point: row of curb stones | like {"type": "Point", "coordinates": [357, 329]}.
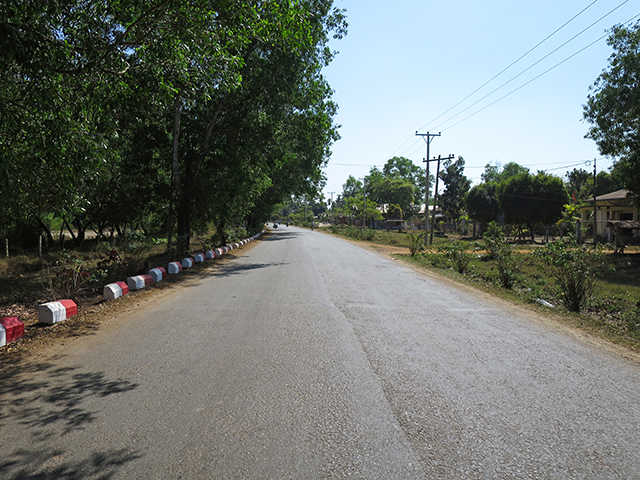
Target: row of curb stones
{"type": "Point", "coordinates": [12, 328]}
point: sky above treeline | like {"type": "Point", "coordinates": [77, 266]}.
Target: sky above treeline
{"type": "Point", "coordinates": [501, 81]}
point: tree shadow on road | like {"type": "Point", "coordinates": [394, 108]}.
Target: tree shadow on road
{"type": "Point", "coordinates": [49, 464]}
{"type": "Point", "coordinates": [47, 402]}
{"type": "Point", "coordinates": [273, 236]}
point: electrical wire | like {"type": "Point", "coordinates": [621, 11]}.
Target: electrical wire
{"type": "Point", "coordinates": [512, 64]}
{"type": "Point", "coordinates": [536, 63]}
{"type": "Point", "coordinates": [518, 75]}
{"type": "Point", "coordinates": [534, 78]}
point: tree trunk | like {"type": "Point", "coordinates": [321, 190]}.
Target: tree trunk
{"type": "Point", "coordinates": [47, 231]}
{"type": "Point", "coordinates": [70, 230]}
{"type": "Point", "coordinates": [184, 227]}
{"type": "Point", "coordinates": [182, 194]}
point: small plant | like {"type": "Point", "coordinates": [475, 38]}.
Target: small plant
{"type": "Point", "coordinates": [360, 233]}
{"type": "Point", "coordinates": [416, 243]}
{"type": "Point", "coordinates": [112, 266]}
{"type": "Point", "coordinates": [68, 277]}
{"type": "Point", "coordinates": [458, 253]}
{"type": "Point", "coordinates": [500, 251]}
{"type": "Point", "coordinates": [575, 268]}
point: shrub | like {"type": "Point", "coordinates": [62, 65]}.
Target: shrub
{"type": "Point", "coordinates": [416, 243]}
{"type": "Point", "coordinates": [68, 277]}
{"type": "Point", "coordinates": [458, 253]}
{"type": "Point", "coordinates": [500, 251]}
{"type": "Point", "coordinates": [574, 269]}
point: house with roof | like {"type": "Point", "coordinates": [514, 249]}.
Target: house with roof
{"type": "Point", "coordinates": [617, 219]}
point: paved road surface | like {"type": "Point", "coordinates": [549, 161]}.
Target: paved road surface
{"type": "Point", "coordinates": [308, 357]}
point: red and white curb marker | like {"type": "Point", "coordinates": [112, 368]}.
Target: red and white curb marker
{"type": "Point", "coordinates": [199, 258]}
{"type": "Point", "coordinates": [115, 290]}
{"type": "Point", "coordinates": [210, 254]}
{"type": "Point", "coordinates": [158, 274]}
{"type": "Point", "coordinates": [187, 262]}
{"type": "Point", "coordinates": [139, 281]}
{"type": "Point", "coordinates": [11, 329]}
{"type": "Point", "coordinates": [175, 267]}
{"type": "Point", "coordinates": [54, 312]}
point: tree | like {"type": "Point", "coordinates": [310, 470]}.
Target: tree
{"type": "Point", "coordinates": [400, 182]}
{"type": "Point", "coordinates": [404, 168]}
{"type": "Point", "coordinates": [482, 204]}
{"type": "Point", "coordinates": [210, 110]}
{"type": "Point", "coordinates": [578, 183]}
{"type": "Point", "coordinates": [497, 173]}
{"type": "Point", "coordinates": [452, 200]}
{"type": "Point", "coordinates": [532, 200]}
{"type": "Point", "coordinates": [351, 187]}
{"type": "Point", "coordinates": [613, 106]}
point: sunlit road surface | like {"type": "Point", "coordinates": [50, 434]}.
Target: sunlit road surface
{"type": "Point", "coordinates": [308, 357]}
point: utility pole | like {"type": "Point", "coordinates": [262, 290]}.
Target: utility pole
{"type": "Point", "coordinates": [429, 137]}
{"type": "Point", "coordinates": [331, 193]}
{"type": "Point", "coordinates": [435, 195]}
{"type": "Point", "coordinates": [364, 209]}
{"type": "Point", "coordinates": [595, 224]}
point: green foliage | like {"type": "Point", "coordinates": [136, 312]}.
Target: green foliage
{"type": "Point", "coordinates": [185, 112]}
{"type": "Point", "coordinates": [498, 174]}
{"type": "Point", "coordinates": [532, 200]}
{"type": "Point", "coordinates": [416, 242]}
{"type": "Point", "coordinates": [613, 107]}
{"type": "Point", "coordinates": [458, 252]}
{"type": "Point", "coordinates": [452, 200]}
{"type": "Point", "coordinates": [482, 204]}
{"type": "Point", "coordinates": [360, 233]}
{"type": "Point", "coordinates": [574, 268]}
{"type": "Point", "coordinates": [68, 276]}
{"type": "Point", "coordinates": [500, 251]}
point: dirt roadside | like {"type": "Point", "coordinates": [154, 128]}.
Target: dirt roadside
{"type": "Point", "coordinates": [96, 313]}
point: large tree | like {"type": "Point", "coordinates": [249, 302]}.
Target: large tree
{"type": "Point", "coordinates": [194, 110]}
{"type": "Point", "coordinates": [531, 200]}
{"type": "Point", "coordinates": [456, 187]}
{"type": "Point", "coordinates": [482, 204]}
{"type": "Point", "coordinates": [613, 106]}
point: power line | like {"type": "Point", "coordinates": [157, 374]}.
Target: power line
{"type": "Point", "coordinates": [533, 79]}
{"type": "Point", "coordinates": [516, 76]}
{"type": "Point", "coordinates": [512, 64]}
{"type": "Point", "coordinates": [536, 63]}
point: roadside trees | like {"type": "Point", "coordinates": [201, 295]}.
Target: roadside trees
{"type": "Point", "coordinates": [613, 107]}
{"type": "Point", "coordinates": [482, 204]}
{"type": "Point", "coordinates": [452, 200]}
{"type": "Point", "coordinates": [532, 200]}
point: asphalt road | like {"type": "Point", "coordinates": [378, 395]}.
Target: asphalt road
{"type": "Point", "coordinates": [308, 357]}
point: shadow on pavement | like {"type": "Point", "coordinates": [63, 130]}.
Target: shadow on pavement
{"type": "Point", "coordinates": [278, 235]}
{"type": "Point", "coordinates": [47, 402]}
{"type": "Point", "coordinates": [235, 269]}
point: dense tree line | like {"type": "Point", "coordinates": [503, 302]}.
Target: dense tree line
{"type": "Point", "coordinates": [165, 114]}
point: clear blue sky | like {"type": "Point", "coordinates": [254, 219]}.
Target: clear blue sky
{"type": "Point", "coordinates": [405, 63]}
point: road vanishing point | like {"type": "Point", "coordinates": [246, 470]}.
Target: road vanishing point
{"type": "Point", "coordinates": [309, 357]}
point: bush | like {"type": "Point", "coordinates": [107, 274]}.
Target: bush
{"type": "Point", "coordinates": [457, 252]}
{"type": "Point", "coordinates": [68, 277]}
{"type": "Point", "coordinates": [575, 267]}
{"type": "Point", "coordinates": [416, 243]}
{"type": "Point", "coordinates": [500, 251]}
{"type": "Point", "coordinates": [360, 233]}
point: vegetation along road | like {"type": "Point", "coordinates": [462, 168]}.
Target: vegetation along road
{"type": "Point", "coordinates": [310, 357]}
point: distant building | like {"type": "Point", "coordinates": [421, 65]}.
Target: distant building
{"type": "Point", "coordinates": [617, 220]}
